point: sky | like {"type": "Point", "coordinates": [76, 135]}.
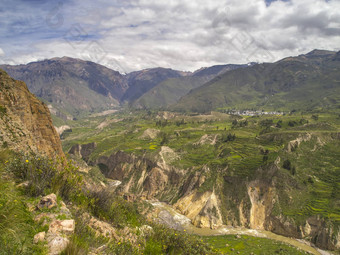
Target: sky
{"type": "Point", "coordinates": [184, 35]}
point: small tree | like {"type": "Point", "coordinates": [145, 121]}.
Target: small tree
{"type": "Point", "coordinates": [287, 164]}
{"type": "Point", "coordinates": [292, 123]}
{"type": "Point", "coordinates": [279, 124]}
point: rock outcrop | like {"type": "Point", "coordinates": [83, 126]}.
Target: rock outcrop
{"type": "Point", "coordinates": [83, 150]}
{"type": "Point", "coordinates": [261, 198]}
{"type": "Point", "coordinates": [202, 209]}
{"type": "Point", "coordinates": [150, 133]}
{"type": "Point", "coordinates": [59, 231]}
{"type": "Point", "coordinates": [292, 145]}
{"type": "Point", "coordinates": [25, 122]}
{"type": "Point", "coordinates": [48, 202]}
{"type": "Point", "coordinates": [211, 197]}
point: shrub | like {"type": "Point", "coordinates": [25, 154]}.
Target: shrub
{"type": "Point", "coordinates": [292, 123]}
{"type": "Point", "coordinates": [46, 175]}
{"type": "Point", "coordinates": [265, 158]}
{"type": "Point", "coordinates": [228, 137]}
{"type": "Point", "coordinates": [266, 123]}
{"type": "Point", "coordinates": [108, 206]}
{"type": "Point", "coordinates": [279, 124]}
{"type": "Point", "coordinates": [287, 164]}
{"type": "Point", "coordinates": [164, 138]}
{"type": "Point", "coordinates": [38, 171]}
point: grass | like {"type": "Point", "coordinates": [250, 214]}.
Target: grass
{"type": "Point", "coordinates": [246, 245]}
{"type": "Point", "coordinates": [17, 227]}
{"type": "Point", "coordinates": [274, 86]}
{"type": "Point", "coordinates": [310, 190]}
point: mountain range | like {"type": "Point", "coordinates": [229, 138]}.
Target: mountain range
{"type": "Point", "coordinates": [75, 87]}
{"type": "Point", "coordinates": [305, 82]}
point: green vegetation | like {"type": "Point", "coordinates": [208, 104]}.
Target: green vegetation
{"type": "Point", "coordinates": [307, 180]}
{"type": "Point", "coordinates": [2, 111]}
{"type": "Point", "coordinates": [218, 141]}
{"type": "Point", "coordinates": [230, 244]}
{"type": "Point", "coordinates": [168, 92]}
{"type": "Point", "coordinates": [44, 176]}
{"type": "Point", "coordinates": [309, 82]}
{"type": "Point", "coordinates": [17, 227]}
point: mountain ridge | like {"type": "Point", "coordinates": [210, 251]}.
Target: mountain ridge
{"type": "Point", "coordinates": [74, 87]}
{"type": "Point", "coordinates": [171, 90]}
{"type": "Point", "coordinates": [293, 82]}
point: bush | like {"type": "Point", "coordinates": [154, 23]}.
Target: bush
{"type": "Point", "coordinates": [45, 175]}
{"type": "Point", "coordinates": [266, 123]}
{"type": "Point", "coordinates": [38, 171]}
{"type": "Point", "coordinates": [279, 124]}
{"type": "Point", "coordinates": [292, 123]}
{"type": "Point", "coordinates": [228, 137]}
{"type": "Point", "coordinates": [108, 206]}
{"type": "Point", "coordinates": [287, 164]}
{"type": "Point", "coordinates": [164, 138]}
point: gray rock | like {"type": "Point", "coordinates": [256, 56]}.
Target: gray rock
{"type": "Point", "coordinates": [48, 202]}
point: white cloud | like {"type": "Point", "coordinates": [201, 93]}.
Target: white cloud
{"type": "Point", "coordinates": [185, 35]}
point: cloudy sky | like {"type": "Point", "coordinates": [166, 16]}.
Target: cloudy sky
{"type": "Point", "coordinates": [181, 34]}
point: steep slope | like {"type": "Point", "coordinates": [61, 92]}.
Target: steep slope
{"type": "Point", "coordinates": [141, 82]}
{"type": "Point", "coordinates": [276, 173]}
{"type": "Point", "coordinates": [170, 91]}
{"type": "Point", "coordinates": [305, 82]}
{"type": "Point", "coordinates": [25, 122]}
{"type": "Point", "coordinates": [72, 85]}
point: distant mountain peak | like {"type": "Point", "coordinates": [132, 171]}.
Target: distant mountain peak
{"type": "Point", "coordinates": [317, 52]}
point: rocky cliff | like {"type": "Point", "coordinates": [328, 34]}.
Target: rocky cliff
{"type": "Point", "coordinates": [212, 197]}
{"type": "Point", "coordinates": [25, 122]}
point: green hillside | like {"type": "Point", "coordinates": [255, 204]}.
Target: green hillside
{"type": "Point", "coordinates": [170, 91]}
{"type": "Point", "coordinates": [310, 81]}
{"type": "Point", "coordinates": [140, 82]}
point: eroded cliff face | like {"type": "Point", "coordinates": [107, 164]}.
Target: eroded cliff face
{"type": "Point", "coordinates": [83, 150]}
{"type": "Point", "coordinates": [141, 175]}
{"type": "Point", "coordinates": [202, 209]}
{"type": "Point", "coordinates": [25, 122]}
{"type": "Point", "coordinates": [233, 201]}
{"type": "Point", "coordinates": [262, 201]}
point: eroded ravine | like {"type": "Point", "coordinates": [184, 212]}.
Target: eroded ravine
{"type": "Point", "coordinates": [184, 223]}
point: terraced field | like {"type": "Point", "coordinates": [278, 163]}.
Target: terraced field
{"type": "Point", "coordinates": [304, 147]}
